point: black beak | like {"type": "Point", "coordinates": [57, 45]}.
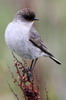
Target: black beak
{"type": "Point", "coordinates": [36, 19]}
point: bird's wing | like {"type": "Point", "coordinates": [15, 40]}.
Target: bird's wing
{"type": "Point", "coordinates": [37, 41]}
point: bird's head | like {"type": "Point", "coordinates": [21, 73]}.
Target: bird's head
{"type": "Point", "coordinates": [26, 15]}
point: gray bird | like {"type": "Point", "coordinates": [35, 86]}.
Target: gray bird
{"type": "Point", "coordinates": [22, 38]}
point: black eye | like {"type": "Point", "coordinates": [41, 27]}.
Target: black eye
{"type": "Point", "coordinates": [29, 17]}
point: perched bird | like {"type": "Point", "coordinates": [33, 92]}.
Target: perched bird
{"type": "Point", "coordinates": [22, 38]}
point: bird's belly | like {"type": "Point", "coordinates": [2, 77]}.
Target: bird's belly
{"type": "Point", "coordinates": [19, 46]}
{"type": "Point", "coordinates": [23, 47]}
{"type": "Point", "coordinates": [18, 41]}
{"type": "Point", "coordinates": [26, 50]}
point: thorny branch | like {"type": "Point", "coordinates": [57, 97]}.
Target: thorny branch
{"type": "Point", "coordinates": [15, 80]}
{"type": "Point", "coordinates": [47, 98]}
{"type": "Point", "coordinates": [13, 92]}
{"type": "Point", "coordinates": [26, 81]}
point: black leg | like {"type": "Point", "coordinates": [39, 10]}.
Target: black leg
{"type": "Point", "coordinates": [30, 70]}
{"type": "Point", "coordinates": [31, 64]}
{"type": "Point", "coordinates": [34, 63]}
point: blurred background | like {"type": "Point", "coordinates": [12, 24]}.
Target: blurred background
{"type": "Point", "coordinates": [52, 27]}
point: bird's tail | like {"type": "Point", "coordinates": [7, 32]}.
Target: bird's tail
{"type": "Point", "coordinates": [57, 61]}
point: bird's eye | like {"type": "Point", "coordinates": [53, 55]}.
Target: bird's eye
{"type": "Point", "coordinates": [29, 17]}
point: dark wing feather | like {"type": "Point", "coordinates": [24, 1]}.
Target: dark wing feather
{"type": "Point", "coordinates": [37, 41]}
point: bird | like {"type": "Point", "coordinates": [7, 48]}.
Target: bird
{"type": "Point", "coordinates": [23, 39]}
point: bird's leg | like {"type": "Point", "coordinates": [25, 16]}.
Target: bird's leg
{"type": "Point", "coordinates": [31, 64]}
{"type": "Point", "coordinates": [29, 70]}
{"type": "Point", "coordinates": [34, 63]}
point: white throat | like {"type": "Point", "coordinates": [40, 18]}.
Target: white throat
{"type": "Point", "coordinates": [26, 23]}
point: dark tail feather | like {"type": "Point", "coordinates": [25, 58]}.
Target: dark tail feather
{"type": "Point", "coordinates": [57, 61]}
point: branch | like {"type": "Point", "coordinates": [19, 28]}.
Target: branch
{"type": "Point", "coordinates": [15, 80]}
{"type": "Point", "coordinates": [13, 91]}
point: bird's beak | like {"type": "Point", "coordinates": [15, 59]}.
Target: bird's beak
{"type": "Point", "coordinates": [36, 19]}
